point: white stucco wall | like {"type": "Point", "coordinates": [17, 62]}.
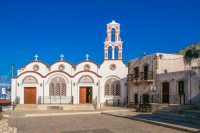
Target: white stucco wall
{"type": "Point", "coordinates": [71, 74]}
{"type": "Point", "coordinates": [186, 76]}
{"type": "Point", "coordinates": [158, 63]}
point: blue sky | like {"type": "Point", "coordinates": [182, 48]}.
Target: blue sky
{"type": "Point", "coordinates": [77, 27]}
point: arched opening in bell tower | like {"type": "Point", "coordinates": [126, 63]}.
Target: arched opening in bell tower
{"type": "Point", "coordinates": [116, 49]}
{"type": "Point", "coordinates": [113, 35]}
{"type": "Point", "coordinates": [110, 52]}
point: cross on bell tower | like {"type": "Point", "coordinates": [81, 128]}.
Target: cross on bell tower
{"type": "Point", "coordinates": [113, 43]}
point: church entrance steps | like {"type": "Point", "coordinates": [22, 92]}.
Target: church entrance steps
{"type": "Point", "coordinates": [106, 108]}
{"type": "Point", "coordinates": [88, 107]}
{"type": "Point", "coordinates": [164, 107]}
{"type": "Point", "coordinates": [26, 107]}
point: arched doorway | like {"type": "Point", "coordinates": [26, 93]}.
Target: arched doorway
{"type": "Point", "coordinates": [165, 92]}
{"type": "Point", "coordinates": [85, 89]}
{"type": "Point", "coordinates": [30, 91]}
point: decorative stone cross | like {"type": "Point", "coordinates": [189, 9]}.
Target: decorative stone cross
{"type": "Point", "coordinates": [87, 56]}
{"type": "Point", "coordinates": [36, 57]}
{"type": "Point", "coordinates": [62, 57]}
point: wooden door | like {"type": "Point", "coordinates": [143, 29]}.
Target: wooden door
{"type": "Point", "coordinates": [82, 94]}
{"type": "Point", "coordinates": [165, 92]}
{"type": "Point", "coordinates": [136, 98]}
{"type": "Point", "coordinates": [29, 95]}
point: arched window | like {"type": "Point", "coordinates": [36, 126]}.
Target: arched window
{"type": "Point", "coordinates": [116, 52]}
{"type": "Point", "coordinates": [117, 89]}
{"type": "Point", "coordinates": [113, 35]}
{"type": "Point", "coordinates": [57, 87]}
{"type": "Point", "coordinates": [106, 89]}
{"type": "Point", "coordinates": [51, 89]}
{"type": "Point", "coordinates": [110, 52]}
{"type": "Point", "coordinates": [112, 87]}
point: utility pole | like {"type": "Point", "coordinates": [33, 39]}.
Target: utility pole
{"type": "Point", "coordinates": [12, 70]}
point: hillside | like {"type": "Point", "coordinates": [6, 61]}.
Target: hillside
{"type": "Point", "coordinates": [195, 45]}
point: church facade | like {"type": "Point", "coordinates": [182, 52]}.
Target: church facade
{"type": "Point", "coordinates": [85, 82]}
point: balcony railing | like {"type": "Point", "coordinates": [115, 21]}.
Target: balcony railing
{"type": "Point", "coordinates": [55, 100]}
{"type": "Point", "coordinates": [158, 98]}
{"type": "Point", "coordinates": [140, 76]}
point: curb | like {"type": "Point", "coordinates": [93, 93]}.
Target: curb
{"type": "Point", "coordinates": [15, 130]}
{"type": "Point", "coordinates": [181, 128]}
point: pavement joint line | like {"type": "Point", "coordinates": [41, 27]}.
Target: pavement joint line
{"type": "Point", "coordinates": [59, 114]}
{"type": "Point", "coordinates": [72, 113]}
{"type": "Point", "coordinates": [177, 127]}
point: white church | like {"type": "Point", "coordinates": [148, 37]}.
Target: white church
{"type": "Point", "coordinates": [83, 83]}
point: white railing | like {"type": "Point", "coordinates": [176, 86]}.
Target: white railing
{"type": "Point", "coordinates": [55, 100]}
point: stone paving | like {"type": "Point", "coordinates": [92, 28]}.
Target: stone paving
{"type": "Point", "coordinates": [4, 128]}
{"type": "Point", "coordinates": [158, 119]}
{"type": "Point", "coordinates": [91, 123]}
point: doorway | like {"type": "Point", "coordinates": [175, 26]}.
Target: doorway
{"type": "Point", "coordinates": [165, 92]}
{"type": "Point", "coordinates": [136, 98]}
{"type": "Point", "coordinates": [85, 95]}
{"type": "Point", "coordinates": [146, 69]}
{"type": "Point", "coordinates": [30, 95]}
{"type": "Point", "coordinates": [145, 98]}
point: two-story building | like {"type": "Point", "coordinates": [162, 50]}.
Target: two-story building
{"type": "Point", "coordinates": [143, 76]}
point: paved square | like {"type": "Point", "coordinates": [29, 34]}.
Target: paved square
{"type": "Point", "coordinates": [93, 123]}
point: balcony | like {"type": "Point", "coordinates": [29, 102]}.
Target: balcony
{"type": "Point", "coordinates": [140, 76]}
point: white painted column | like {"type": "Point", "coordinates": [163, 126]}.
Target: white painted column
{"type": "Point", "coordinates": [113, 53]}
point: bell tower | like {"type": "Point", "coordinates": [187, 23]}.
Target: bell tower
{"type": "Point", "coordinates": [113, 43]}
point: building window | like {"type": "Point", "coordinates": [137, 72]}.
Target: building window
{"type": "Point", "coordinates": [181, 87]}
{"type": "Point", "coordinates": [112, 87]}
{"type": "Point", "coordinates": [106, 89]}
{"type": "Point", "coordinates": [146, 70]}
{"type": "Point", "coordinates": [63, 89]}
{"type": "Point", "coordinates": [51, 90]}
{"type": "Point", "coordinates": [136, 72]}
{"type": "Point", "coordinates": [57, 87]}
{"type": "Point", "coordinates": [117, 90]}
{"type": "Point", "coordinates": [136, 98]}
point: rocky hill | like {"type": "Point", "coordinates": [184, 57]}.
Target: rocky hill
{"type": "Point", "coordinates": [191, 51]}
{"type": "Point", "coordinates": [196, 46]}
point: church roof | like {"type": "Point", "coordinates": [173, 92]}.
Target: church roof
{"type": "Point", "coordinates": [113, 22]}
